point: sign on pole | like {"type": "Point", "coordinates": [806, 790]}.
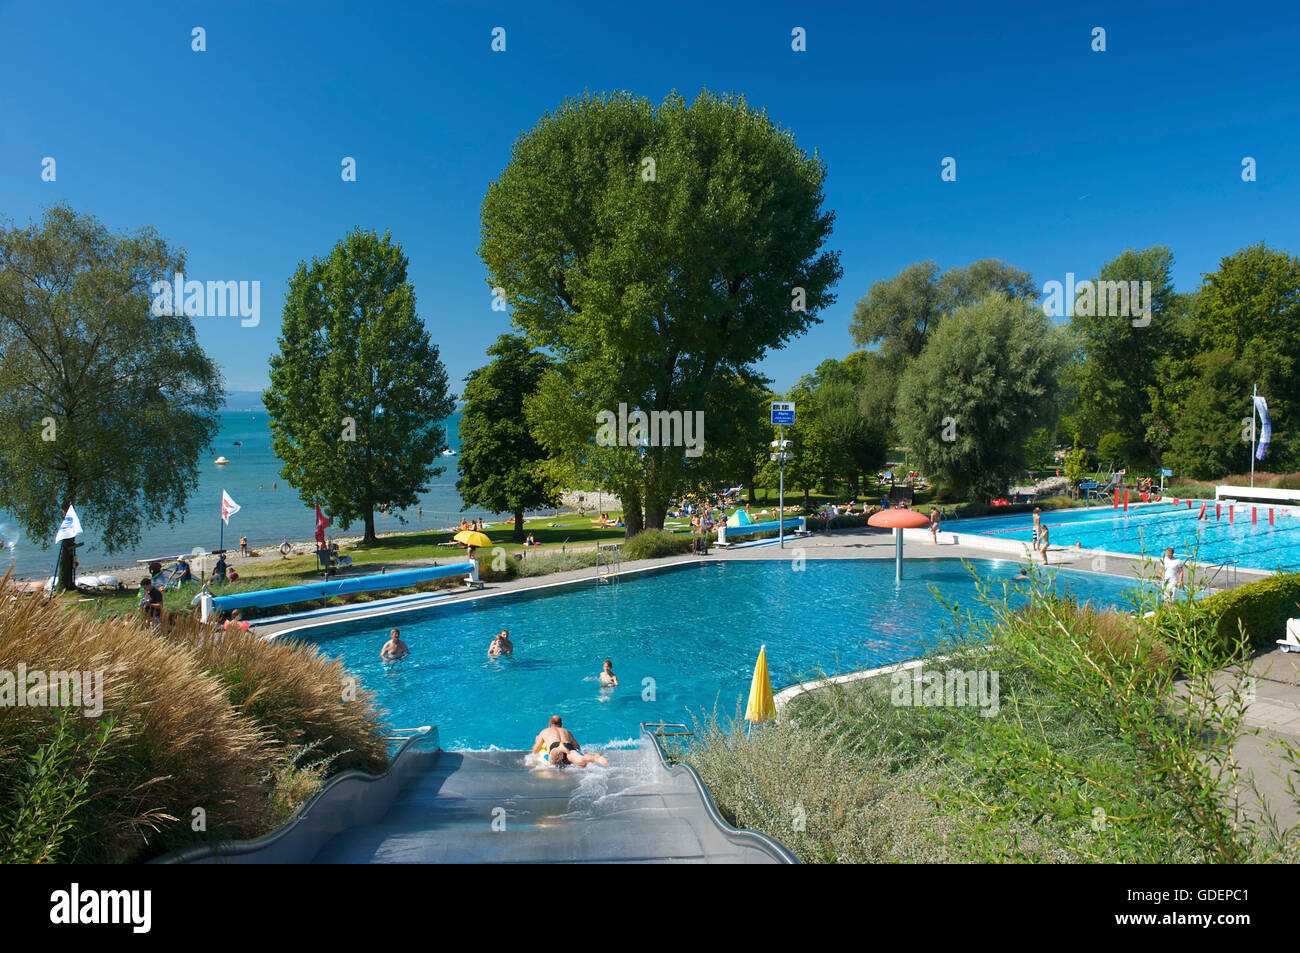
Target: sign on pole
{"type": "Point", "coordinates": [783, 413]}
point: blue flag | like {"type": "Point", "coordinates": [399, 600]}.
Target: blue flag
{"type": "Point", "coordinates": [1265, 428]}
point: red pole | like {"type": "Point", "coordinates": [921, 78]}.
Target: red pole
{"type": "Point", "coordinates": [1126, 501]}
{"type": "Point", "coordinates": [1202, 513]}
{"type": "Point", "coordinates": [1270, 516]}
{"type": "Point", "coordinates": [1254, 516]}
{"type": "Point", "coordinates": [1218, 511]}
{"type": "Point", "coordinates": [1116, 506]}
{"type": "Point", "coordinates": [1232, 509]}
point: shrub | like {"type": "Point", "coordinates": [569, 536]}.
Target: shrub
{"type": "Point", "coordinates": [542, 564]}
{"type": "Point", "coordinates": [1260, 609]}
{"type": "Point", "coordinates": [655, 544]}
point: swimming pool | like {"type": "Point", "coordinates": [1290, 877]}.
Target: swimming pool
{"type": "Point", "coordinates": [681, 640]}
{"type": "Point", "coordinates": [1154, 526]}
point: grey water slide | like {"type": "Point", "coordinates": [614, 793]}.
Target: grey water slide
{"type": "Point", "coordinates": [498, 807]}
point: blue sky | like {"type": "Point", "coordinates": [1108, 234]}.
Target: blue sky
{"type": "Point", "coordinates": [1065, 157]}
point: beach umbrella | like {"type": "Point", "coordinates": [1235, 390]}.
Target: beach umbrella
{"type": "Point", "coordinates": [472, 538]}
{"type": "Point", "coordinates": [898, 519]}
{"type": "Point", "coordinates": [760, 707]}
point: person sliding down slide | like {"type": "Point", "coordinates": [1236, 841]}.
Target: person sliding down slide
{"type": "Point", "coordinates": [561, 748]}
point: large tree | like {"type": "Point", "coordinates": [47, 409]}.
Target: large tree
{"type": "Point", "coordinates": [655, 251]}
{"type": "Point", "coordinates": [499, 459]}
{"type": "Point", "coordinates": [1120, 353]}
{"type": "Point", "coordinates": [900, 313]}
{"type": "Point", "coordinates": [985, 381]}
{"type": "Point", "coordinates": [103, 404]}
{"type": "Point", "coordinates": [357, 390]}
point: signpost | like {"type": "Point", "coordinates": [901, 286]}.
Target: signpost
{"type": "Point", "coordinates": [782, 417]}
{"type": "Point", "coordinates": [1164, 472]}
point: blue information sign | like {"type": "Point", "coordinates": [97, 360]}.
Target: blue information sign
{"type": "Point", "coordinates": [783, 412]}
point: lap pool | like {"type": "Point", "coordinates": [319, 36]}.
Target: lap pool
{"type": "Point", "coordinates": [681, 640]}
{"type": "Point", "coordinates": [1153, 526]}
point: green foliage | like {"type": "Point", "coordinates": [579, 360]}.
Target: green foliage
{"type": "Point", "coordinates": [54, 788]}
{"type": "Point", "coordinates": [1207, 441]}
{"type": "Point", "coordinates": [654, 287]}
{"type": "Point", "coordinates": [499, 459]}
{"type": "Point", "coordinates": [1076, 465]}
{"type": "Point", "coordinates": [357, 388]}
{"type": "Point", "coordinates": [900, 313]}
{"type": "Point", "coordinates": [1119, 361]}
{"type": "Point", "coordinates": [1259, 609]}
{"type": "Point", "coordinates": [985, 381]}
{"type": "Point", "coordinates": [131, 397]}
{"type": "Point", "coordinates": [655, 544]}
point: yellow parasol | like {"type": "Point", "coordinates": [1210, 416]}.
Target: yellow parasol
{"type": "Point", "coordinates": [472, 538]}
{"type": "Point", "coordinates": [760, 707]}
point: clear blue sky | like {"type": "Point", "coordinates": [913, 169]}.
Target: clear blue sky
{"type": "Point", "coordinates": [1064, 156]}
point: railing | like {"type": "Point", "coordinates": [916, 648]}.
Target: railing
{"type": "Point", "coordinates": [608, 563]}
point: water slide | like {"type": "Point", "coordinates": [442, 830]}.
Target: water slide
{"type": "Point", "coordinates": [438, 806]}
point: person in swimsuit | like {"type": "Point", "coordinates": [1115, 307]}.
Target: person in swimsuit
{"type": "Point", "coordinates": [1038, 525]}
{"type": "Point", "coordinates": [501, 645]}
{"type": "Point", "coordinates": [394, 649]}
{"type": "Point", "coordinates": [607, 677]}
{"type": "Point", "coordinates": [562, 748]}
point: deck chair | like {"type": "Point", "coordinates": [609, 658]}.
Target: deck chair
{"type": "Point", "coordinates": [1292, 641]}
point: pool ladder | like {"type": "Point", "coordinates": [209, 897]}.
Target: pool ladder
{"type": "Point", "coordinates": [608, 563]}
{"type": "Point", "coordinates": [1229, 570]}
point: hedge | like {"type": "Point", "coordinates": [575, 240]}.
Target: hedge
{"type": "Point", "coordinates": [1261, 608]}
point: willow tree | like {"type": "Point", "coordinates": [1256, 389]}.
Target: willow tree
{"type": "Point", "coordinates": [103, 404]}
{"type": "Point", "coordinates": [654, 251]}
{"type": "Point", "coordinates": [358, 391]}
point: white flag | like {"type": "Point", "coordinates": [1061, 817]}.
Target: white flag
{"type": "Point", "coordinates": [70, 527]}
{"type": "Point", "coordinates": [228, 507]}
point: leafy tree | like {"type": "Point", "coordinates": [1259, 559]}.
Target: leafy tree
{"type": "Point", "coordinates": [985, 381]}
{"type": "Point", "coordinates": [1207, 442]}
{"type": "Point", "coordinates": [1250, 308]}
{"type": "Point", "coordinates": [1120, 360]}
{"type": "Point", "coordinates": [655, 251]}
{"type": "Point", "coordinates": [901, 312]}
{"type": "Point", "coordinates": [499, 459]}
{"type": "Point", "coordinates": [102, 403]}
{"type": "Point", "coordinates": [357, 389]}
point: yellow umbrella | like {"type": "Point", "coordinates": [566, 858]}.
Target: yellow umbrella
{"type": "Point", "coordinates": [472, 538]}
{"type": "Point", "coordinates": [761, 706]}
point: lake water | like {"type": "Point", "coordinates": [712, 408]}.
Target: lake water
{"type": "Point", "coordinates": [268, 514]}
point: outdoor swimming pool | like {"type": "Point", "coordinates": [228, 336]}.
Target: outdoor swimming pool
{"type": "Point", "coordinates": [681, 640]}
{"type": "Point", "coordinates": [1154, 526]}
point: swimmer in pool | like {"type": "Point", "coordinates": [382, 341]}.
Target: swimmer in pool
{"type": "Point", "coordinates": [607, 677]}
{"type": "Point", "coordinates": [562, 748]}
{"type": "Point", "coordinates": [501, 645]}
{"type": "Point", "coordinates": [394, 649]}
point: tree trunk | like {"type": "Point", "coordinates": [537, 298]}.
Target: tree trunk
{"type": "Point", "coordinates": [370, 526]}
{"type": "Point", "coordinates": [519, 525]}
{"type": "Point", "coordinates": [632, 523]}
{"type": "Point", "coordinates": [654, 514]}
{"type": "Point", "coordinates": [753, 501]}
{"type": "Point", "coordinates": [67, 567]}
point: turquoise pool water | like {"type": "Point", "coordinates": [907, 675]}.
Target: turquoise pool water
{"type": "Point", "coordinates": [1152, 527]}
{"type": "Point", "coordinates": [692, 632]}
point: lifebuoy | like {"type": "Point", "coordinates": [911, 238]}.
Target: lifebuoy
{"type": "Point", "coordinates": [285, 548]}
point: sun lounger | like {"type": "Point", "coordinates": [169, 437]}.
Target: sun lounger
{"type": "Point", "coordinates": [1292, 641]}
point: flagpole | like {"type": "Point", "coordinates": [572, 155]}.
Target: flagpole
{"type": "Point", "coordinates": [1253, 395]}
{"type": "Point", "coordinates": [221, 536]}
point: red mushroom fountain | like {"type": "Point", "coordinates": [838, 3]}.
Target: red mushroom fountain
{"type": "Point", "coordinates": [898, 520]}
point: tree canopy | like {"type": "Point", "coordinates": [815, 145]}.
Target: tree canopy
{"type": "Point", "coordinates": [103, 404]}
{"type": "Point", "coordinates": [357, 390]}
{"type": "Point", "coordinates": [657, 252]}
{"type": "Point", "coordinates": [500, 460]}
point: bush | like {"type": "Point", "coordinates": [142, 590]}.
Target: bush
{"type": "Point", "coordinates": [655, 544]}
{"type": "Point", "coordinates": [1260, 609]}
{"type": "Point", "coordinates": [542, 564]}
